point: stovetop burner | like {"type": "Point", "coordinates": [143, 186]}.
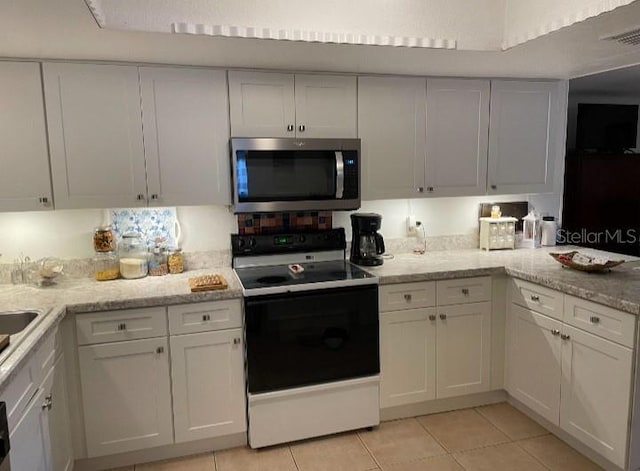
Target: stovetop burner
{"type": "Point", "coordinates": [271, 280]}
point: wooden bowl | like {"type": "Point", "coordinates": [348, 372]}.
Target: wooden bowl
{"type": "Point", "coordinates": [566, 259]}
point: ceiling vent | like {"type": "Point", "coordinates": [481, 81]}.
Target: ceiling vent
{"type": "Point", "coordinates": [630, 38]}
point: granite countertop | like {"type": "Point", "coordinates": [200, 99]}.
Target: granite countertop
{"type": "Point", "coordinates": [619, 288]}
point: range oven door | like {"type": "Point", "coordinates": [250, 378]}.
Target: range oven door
{"type": "Point", "coordinates": [291, 175]}
{"type": "Point", "coordinates": [312, 337]}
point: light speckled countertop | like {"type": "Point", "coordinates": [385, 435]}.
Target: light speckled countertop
{"type": "Point", "coordinates": [619, 288]}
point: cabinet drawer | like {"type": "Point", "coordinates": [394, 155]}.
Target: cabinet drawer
{"type": "Point", "coordinates": [537, 298]}
{"type": "Point", "coordinates": [464, 290]}
{"type": "Point", "coordinates": [407, 296]}
{"type": "Point", "coordinates": [204, 317]}
{"type": "Point", "coordinates": [116, 326]}
{"type": "Point", "coordinates": [600, 320]}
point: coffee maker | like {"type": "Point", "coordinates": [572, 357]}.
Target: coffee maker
{"type": "Point", "coordinates": [367, 246]}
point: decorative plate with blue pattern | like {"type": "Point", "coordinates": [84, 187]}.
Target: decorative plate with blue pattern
{"type": "Point", "coordinates": [156, 225]}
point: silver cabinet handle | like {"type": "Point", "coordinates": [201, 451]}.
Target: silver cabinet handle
{"type": "Point", "coordinates": [555, 332]}
{"type": "Point", "coordinates": [432, 317]}
{"type": "Point", "coordinates": [430, 189]}
{"type": "Point", "coordinates": [290, 128]}
{"type": "Point", "coordinates": [465, 291]}
{"type": "Point", "coordinates": [43, 200]}
{"type": "Point", "coordinates": [155, 196]}
{"type": "Point", "coordinates": [160, 350]}
{"type": "Point", "coordinates": [443, 317]}
{"type": "Point", "coordinates": [407, 297]}
{"type": "Point", "coordinates": [140, 197]}
{"type": "Point", "coordinates": [420, 189]}
{"type": "Point", "coordinates": [535, 298]}
{"type": "Point", "coordinates": [122, 326]}
{"type": "Point", "coordinates": [565, 336]}
{"type": "Point", "coordinates": [48, 402]}
{"type": "Point", "coordinates": [494, 187]}
{"type": "Point", "coordinates": [236, 341]}
{"type": "Point", "coordinates": [302, 128]}
{"type": "Point", "coordinates": [206, 317]}
{"type": "Point", "coordinates": [595, 320]}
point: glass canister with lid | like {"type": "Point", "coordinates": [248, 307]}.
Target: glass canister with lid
{"type": "Point", "coordinates": [106, 266]}
{"type": "Point", "coordinates": [175, 260]}
{"type": "Point", "coordinates": [133, 255]}
{"type": "Point", "coordinates": [158, 262]}
{"type": "Point", "coordinates": [104, 239]}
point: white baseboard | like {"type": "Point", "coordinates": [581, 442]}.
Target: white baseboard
{"type": "Point", "coordinates": [161, 453]}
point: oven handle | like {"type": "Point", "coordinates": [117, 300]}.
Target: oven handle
{"type": "Point", "coordinates": [339, 175]}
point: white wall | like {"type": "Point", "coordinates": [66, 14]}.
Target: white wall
{"type": "Point", "coordinates": [575, 99]}
{"type": "Point", "coordinates": [68, 233]}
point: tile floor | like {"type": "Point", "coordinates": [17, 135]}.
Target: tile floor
{"type": "Point", "coordinates": [489, 438]}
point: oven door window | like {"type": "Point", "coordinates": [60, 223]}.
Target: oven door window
{"type": "Point", "coordinates": [302, 339]}
{"type": "Point", "coordinates": [285, 175]}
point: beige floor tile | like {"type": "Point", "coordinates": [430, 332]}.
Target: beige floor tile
{"type": "Point", "coordinates": [204, 462]}
{"type": "Point", "coordinates": [557, 455]}
{"type": "Point", "coordinates": [505, 457]}
{"type": "Point", "coordinates": [246, 459]}
{"type": "Point", "coordinates": [400, 441]}
{"type": "Point", "coordinates": [462, 430]}
{"type": "Point", "coordinates": [337, 453]}
{"type": "Point", "coordinates": [436, 463]}
{"type": "Point", "coordinates": [511, 421]}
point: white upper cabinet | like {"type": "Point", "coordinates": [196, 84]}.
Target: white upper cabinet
{"type": "Point", "coordinates": [524, 133]}
{"type": "Point", "coordinates": [24, 179]}
{"type": "Point", "coordinates": [266, 104]}
{"type": "Point", "coordinates": [262, 104]}
{"type": "Point", "coordinates": [391, 124]}
{"type": "Point", "coordinates": [457, 136]}
{"type": "Point", "coordinates": [95, 135]}
{"type": "Point", "coordinates": [186, 135]}
{"type": "Point", "coordinates": [326, 106]}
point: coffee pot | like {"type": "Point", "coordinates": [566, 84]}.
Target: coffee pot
{"type": "Point", "coordinates": [367, 245]}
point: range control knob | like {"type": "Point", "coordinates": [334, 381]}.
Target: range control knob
{"type": "Point", "coordinates": [241, 243]}
{"type": "Point", "coordinates": [302, 239]}
{"type": "Point", "coordinates": [253, 242]}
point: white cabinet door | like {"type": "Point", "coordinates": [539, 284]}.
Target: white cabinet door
{"type": "Point", "coordinates": [407, 357]}
{"type": "Point", "coordinates": [58, 424]}
{"type": "Point", "coordinates": [262, 104]}
{"type": "Point", "coordinates": [186, 135]}
{"type": "Point", "coordinates": [534, 361]}
{"type": "Point", "coordinates": [29, 448]}
{"type": "Point", "coordinates": [25, 183]}
{"type": "Point", "coordinates": [596, 389]}
{"type": "Point", "coordinates": [208, 384]}
{"type": "Point", "coordinates": [326, 106]}
{"type": "Point", "coordinates": [391, 124]}
{"type": "Point", "coordinates": [95, 135]}
{"type": "Point", "coordinates": [463, 349]}
{"type": "Point", "coordinates": [127, 396]}
{"type": "Point", "coordinates": [524, 129]}
{"type": "Point", "coordinates": [457, 136]}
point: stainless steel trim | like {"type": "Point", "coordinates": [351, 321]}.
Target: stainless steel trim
{"type": "Point", "coordinates": [240, 143]}
{"type": "Point", "coordinates": [339, 175]}
{"type": "Point", "coordinates": [287, 258]}
{"type": "Point", "coordinates": [247, 293]}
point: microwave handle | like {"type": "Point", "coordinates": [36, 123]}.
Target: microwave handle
{"type": "Point", "coordinates": [339, 175]}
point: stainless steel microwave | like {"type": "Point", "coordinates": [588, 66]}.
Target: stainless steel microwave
{"type": "Point", "coordinates": [272, 175]}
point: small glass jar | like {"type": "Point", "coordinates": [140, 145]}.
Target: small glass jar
{"type": "Point", "coordinates": [106, 266]}
{"type": "Point", "coordinates": [175, 261]}
{"type": "Point", "coordinates": [103, 239]}
{"type": "Point", "coordinates": [133, 255]}
{"type": "Point", "coordinates": [158, 262]}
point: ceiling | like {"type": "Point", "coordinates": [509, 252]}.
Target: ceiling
{"type": "Point", "coordinates": [66, 29]}
{"type": "Point", "coordinates": [620, 82]}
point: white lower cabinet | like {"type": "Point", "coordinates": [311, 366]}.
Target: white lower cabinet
{"type": "Point", "coordinates": [572, 378]}
{"type": "Point", "coordinates": [58, 423]}
{"type": "Point", "coordinates": [534, 354]}
{"type": "Point", "coordinates": [596, 382]}
{"type": "Point", "coordinates": [433, 352]}
{"type": "Point", "coordinates": [464, 349]}
{"type": "Point", "coordinates": [408, 357]}
{"type": "Point", "coordinates": [28, 441]}
{"type": "Point", "coordinates": [127, 396]}
{"type": "Point", "coordinates": [208, 384]}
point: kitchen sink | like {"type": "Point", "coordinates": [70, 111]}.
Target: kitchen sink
{"type": "Point", "coordinates": [14, 322]}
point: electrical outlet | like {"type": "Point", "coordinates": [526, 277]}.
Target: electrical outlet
{"type": "Point", "coordinates": [411, 225]}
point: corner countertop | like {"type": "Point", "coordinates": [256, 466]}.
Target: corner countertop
{"type": "Point", "coordinates": [619, 288]}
